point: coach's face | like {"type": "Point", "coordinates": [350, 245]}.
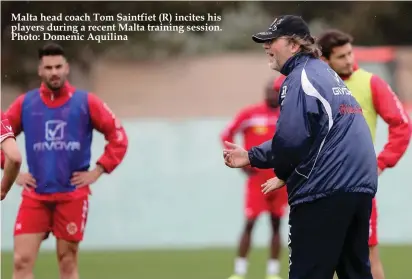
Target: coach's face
{"type": "Point", "coordinates": [53, 70]}
{"type": "Point", "coordinates": [279, 51]}
{"type": "Point", "coordinates": [341, 59]}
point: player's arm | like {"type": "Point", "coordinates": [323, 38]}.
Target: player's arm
{"type": "Point", "coordinates": [13, 115]}
{"type": "Point", "coordinates": [104, 121]}
{"type": "Point", "coordinates": [12, 163]}
{"type": "Point", "coordinates": [261, 156]}
{"type": "Point", "coordinates": [234, 127]}
{"type": "Point", "coordinates": [393, 113]}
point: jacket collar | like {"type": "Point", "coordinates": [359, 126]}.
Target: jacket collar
{"type": "Point", "coordinates": [65, 91]}
{"type": "Point", "coordinates": [293, 62]}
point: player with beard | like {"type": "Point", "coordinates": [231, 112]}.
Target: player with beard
{"type": "Point", "coordinates": [257, 124]}
{"type": "Point", "coordinates": [58, 122]}
{"type": "Point", "coordinates": [375, 97]}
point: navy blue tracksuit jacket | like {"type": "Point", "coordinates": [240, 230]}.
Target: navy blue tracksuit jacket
{"type": "Point", "coordinates": [322, 143]}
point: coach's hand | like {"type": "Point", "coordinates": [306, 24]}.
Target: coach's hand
{"type": "Point", "coordinates": [26, 180]}
{"type": "Point", "coordinates": [272, 184]}
{"type": "Point", "coordinates": [85, 178]}
{"type": "Point", "coordinates": [235, 156]}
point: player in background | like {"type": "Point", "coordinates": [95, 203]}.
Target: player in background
{"type": "Point", "coordinates": [58, 122]}
{"type": "Point", "coordinates": [257, 124]}
{"type": "Point", "coordinates": [12, 156]}
{"type": "Point", "coordinates": [375, 97]}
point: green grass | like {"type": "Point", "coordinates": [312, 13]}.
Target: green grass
{"type": "Point", "coordinates": [185, 264]}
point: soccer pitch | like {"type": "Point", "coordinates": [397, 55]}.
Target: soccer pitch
{"type": "Point", "coordinates": [186, 264]}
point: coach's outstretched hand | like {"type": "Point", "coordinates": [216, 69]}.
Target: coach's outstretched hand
{"type": "Point", "coordinates": [235, 156]}
{"type": "Point", "coordinates": [272, 184]}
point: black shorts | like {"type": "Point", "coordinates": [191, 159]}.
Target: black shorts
{"type": "Point", "coordinates": [330, 234]}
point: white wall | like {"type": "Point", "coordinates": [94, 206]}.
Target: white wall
{"type": "Point", "coordinates": [173, 190]}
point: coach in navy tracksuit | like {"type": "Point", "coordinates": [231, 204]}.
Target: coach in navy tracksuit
{"type": "Point", "coordinates": [324, 153]}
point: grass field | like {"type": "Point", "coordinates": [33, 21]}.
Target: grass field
{"type": "Point", "coordinates": [186, 264]}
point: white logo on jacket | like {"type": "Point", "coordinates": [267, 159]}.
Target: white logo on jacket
{"type": "Point", "coordinates": [54, 138]}
{"type": "Point", "coordinates": [283, 94]}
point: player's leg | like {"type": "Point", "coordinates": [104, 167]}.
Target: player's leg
{"type": "Point", "coordinates": [354, 260]}
{"type": "Point", "coordinates": [241, 262]}
{"type": "Point", "coordinates": [69, 223]}
{"type": "Point", "coordinates": [32, 226]}
{"type": "Point", "coordinates": [273, 265]}
{"type": "Point", "coordinates": [26, 248]}
{"type": "Point", "coordinates": [376, 264]}
{"type": "Point", "coordinates": [254, 206]}
{"type": "Point", "coordinates": [67, 258]}
{"type": "Point", "coordinates": [316, 236]}
{"type": "Point", "coordinates": [277, 202]}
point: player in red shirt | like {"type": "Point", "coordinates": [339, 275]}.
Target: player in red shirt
{"type": "Point", "coordinates": [12, 156]}
{"type": "Point", "coordinates": [257, 124]}
{"type": "Point", "coordinates": [58, 121]}
{"type": "Point", "coordinates": [377, 97]}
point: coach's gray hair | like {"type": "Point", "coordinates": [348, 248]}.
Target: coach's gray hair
{"type": "Point", "coordinates": [307, 45]}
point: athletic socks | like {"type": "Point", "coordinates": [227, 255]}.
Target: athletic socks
{"type": "Point", "coordinates": [240, 266]}
{"type": "Point", "coordinates": [273, 267]}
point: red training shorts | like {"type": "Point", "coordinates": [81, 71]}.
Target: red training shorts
{"type": "Point", "coordinates": [257, 203]}
{"type": "Point", "coordinates": [373, 225]}
{"type": "Point", "coordinates": [65, 219]}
